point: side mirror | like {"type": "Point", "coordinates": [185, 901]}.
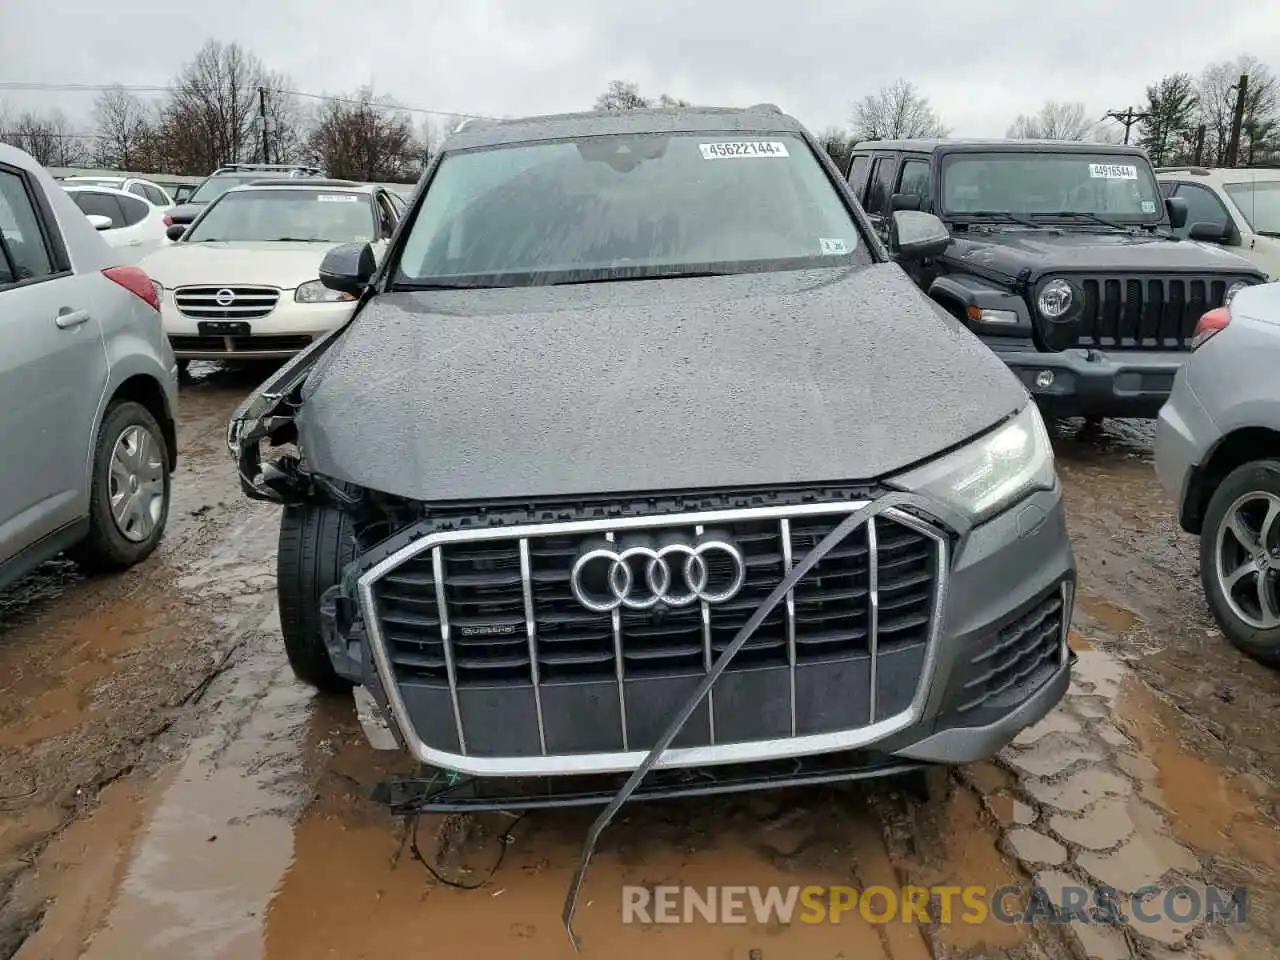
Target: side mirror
{"type": "Point", "coordinates": [1177, 209]}
{"type": "Point", "coordinates": [348, 268]}
{"type": "Point", "coordinates": [905, 201]}
{"type": "Point", "coordinates": [175, 231]}
{"type": "Point", "coordinates": [1208, 232]}
{"type": "Point", "coordinates": [99, 222]}
{"type": "Point", "coordinates": [917, 236]}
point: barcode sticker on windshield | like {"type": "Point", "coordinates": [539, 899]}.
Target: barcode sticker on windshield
{"type": "Point", "coordinates": [1113, 171]}
{"type": "Point", "coordinates": [337, 198]}
{"type": "Point", "coordinates": [1148, 206]}
{"type": "Point", "coordinates": [832, 245]}
{"type": "Point", "coordinates": [746, 148]}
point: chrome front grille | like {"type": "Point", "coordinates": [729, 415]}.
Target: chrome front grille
{"type": "Point", "coordinates": [482, 624]}
{"type": "Point", "coordinates": [226, 303]}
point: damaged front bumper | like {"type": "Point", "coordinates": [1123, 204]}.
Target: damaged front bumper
{"type": "Point", "coordinates": [997, 661]}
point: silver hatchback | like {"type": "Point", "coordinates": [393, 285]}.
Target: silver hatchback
{"type": "Point", "coordinates": [88, 387]}
{"type": "Point", "coordinates": [1218, 456]}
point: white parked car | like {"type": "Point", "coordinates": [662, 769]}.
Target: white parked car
{"type": "Point", "coordinates": [243, 280]}
{"type": "Point", "coordinates": [1239, 209]}
{"type": "Point", "coordinates": [128, 223]}
{"type": "Point", "coordinates": [148, 190]}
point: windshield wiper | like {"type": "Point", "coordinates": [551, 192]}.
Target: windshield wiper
{"type": "Point", "coordinates": [641, 276]}
{"type": "Point", "coordinates": [1084, 215]}
{"type": "Point", "coordinates": [301, 240]}
{"type": "Point", "coordinates": [1000, 216]}
{"type": "Point", "coordinates": [1267, 233]}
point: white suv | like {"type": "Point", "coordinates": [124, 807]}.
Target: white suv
{"type": "Point", "coordinates": [149, 191]}
{"type": "Point", "coordinates": [1237, 208]}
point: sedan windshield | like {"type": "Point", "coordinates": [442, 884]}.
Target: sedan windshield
{"type": "Point", "coordinates": [1259, 202]}
{"type": "Point", "coordinates": [215, 187]}
{"type": "Point", "coordinates": [612, 207]}
{"type": "Point", "coordinates": [1071, 185]}
{"type": "Point", "coordinates": [265, 215]}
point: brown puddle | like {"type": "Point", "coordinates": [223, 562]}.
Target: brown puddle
{"type": "Point", "coordinates": [1111, 617]}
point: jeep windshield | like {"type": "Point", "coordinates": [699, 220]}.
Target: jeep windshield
{"type": "Point", "coordinates": [1100, 189]}
{"type": "Point", "coordinates": [627, 207]}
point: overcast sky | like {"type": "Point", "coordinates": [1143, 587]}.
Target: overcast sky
{"type": "Point", "coordinates": [980, 62]}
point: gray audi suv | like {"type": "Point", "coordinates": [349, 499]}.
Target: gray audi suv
{"type": "Point", "coordinates": [642, 451]}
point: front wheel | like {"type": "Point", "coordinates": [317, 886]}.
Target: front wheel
{"type": "Point", "coordinates": [129, 492]}
{"type": "Point", "coordinates": [316, 544]}
{"type": "Point", "coordinates": [1240, 558]}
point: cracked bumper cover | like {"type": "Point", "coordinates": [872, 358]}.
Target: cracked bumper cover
{"type": "Point", "coordinates": [1006, 567]}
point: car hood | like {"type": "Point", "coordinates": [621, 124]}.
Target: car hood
{"type": "Point", "coordinates": [283, 265]}
{"type": "Point", "coordinates": [186, 212]}
{"type": "Point", "coordinates": [767, 379]}
{"type": "Point", "coordinates": [1010, 251]}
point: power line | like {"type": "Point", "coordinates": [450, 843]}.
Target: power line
{"type": "Point", "coordinates": [18, 85]}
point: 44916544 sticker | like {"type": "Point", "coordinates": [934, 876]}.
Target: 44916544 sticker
{"type": "Point", "coordinates": [727, 150]}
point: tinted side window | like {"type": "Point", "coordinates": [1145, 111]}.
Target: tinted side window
{"type": "Point", "coordinates": [25, 255]}
{"type": "Point", "coordinates": [858, 175]}
{"type": "Point", "coordinates": [915, 180]}
{"type": "Point", "coordinates": [154, 195]}
{"type": "Point", "coordinates": [138, 190]}
{"type": "Point", "coordinates": [1167, 187]}
{"type": "Point", "coordinates": [881, 181]}
{"type": "Point", "coordinates": [135, 211]}
{"type": "Point", "coordinates": [1202, 207]}
{"type": "Point", "coordinates": [101, 205]}
{"type": "Point", "coordinates": [386, 215]}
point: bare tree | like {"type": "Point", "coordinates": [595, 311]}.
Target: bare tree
{"type": "Point", "coordinates": [1217, 96]}
{"type": "Point", "coordinates": [126, 132]}
{"type": "Point", "coordinates": [1055, 121]}
{"type": "Point", "coordinates": [897, 111]}
{"type": "Point", "coordinates": [837, 142]}
{"type": "Point", "coordinates": [367, 139]}
{"type": "Point", "coordinates": [209, 119]}
{"type": "Point", "coordinates": [49, 138]}
{"type": "Point", "coordinates": [287, 122]}
{"type": "Point", "coordinates": [621, 95]}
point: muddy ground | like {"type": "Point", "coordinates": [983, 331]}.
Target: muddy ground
{"type": "Point", "coordinates": [167, 790]}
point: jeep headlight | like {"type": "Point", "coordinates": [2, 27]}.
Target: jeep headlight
{"type": "Point", "coordinates": [994, 471]}
{"type": "Point", "coordinates": [313, 291]}
{"type": "Point", "coordinates": [1233, 290]}
{"type": "Point", "coordinates": [1056, 299]}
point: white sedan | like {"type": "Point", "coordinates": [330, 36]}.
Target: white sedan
{"type": "Point", "coordinates": [129, 224]}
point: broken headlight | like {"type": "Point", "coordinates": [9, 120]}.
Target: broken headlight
{"type": "Point", "coordinates": [994, 471]}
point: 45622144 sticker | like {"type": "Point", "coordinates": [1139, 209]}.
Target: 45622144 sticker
{"type": "Point", "coordinates": [727, 150]}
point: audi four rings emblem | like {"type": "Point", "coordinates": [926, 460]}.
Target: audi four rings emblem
{"type": "Point", "coordinates": [640, 576]}
{"type": "Point", "coordinates": [224, 298]}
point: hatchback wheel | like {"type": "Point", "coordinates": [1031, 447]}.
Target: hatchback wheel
{"type": "Point", "coordinates": [129, 497]}
{"type": "Point", "coordinates": [1240, 558]}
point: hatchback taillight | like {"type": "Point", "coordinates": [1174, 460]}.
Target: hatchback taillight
{"type": "Point", "coordinates": [1210, 323]}
{"type": "Point", "coordinates": [168, 220]}
{"type": "Point", "coordinates": [136, 281]}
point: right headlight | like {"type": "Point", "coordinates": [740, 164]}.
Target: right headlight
{"type": "Point", "coordinates": [1056, 299]}
{"type": "Point", "coordinates": [991, 473]}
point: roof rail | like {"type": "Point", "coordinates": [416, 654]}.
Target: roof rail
{"type": "Point", "coordinates": [1194, 171]}
{"type": "Point", "coordinates": [304, 182]}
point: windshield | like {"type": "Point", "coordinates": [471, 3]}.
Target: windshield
{"type": "Point", "coordinates": [610, 207]}
{"type": "Point", "coordinates": [1259, 203]}
{"type": "Point", "coordinates": [215, 187]}
{"type": "Point", "coordinates": [290, 214]}
{"type": "Point", "coordinates": [1112, 186]}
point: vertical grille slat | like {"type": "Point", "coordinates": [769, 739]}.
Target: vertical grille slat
{"type": "Point", "coordinates": [437, 569]}
{"type": "Point", "coordinates": [531, 633]}
{"type": "Point", "coordinates": [784, 533]}
{"type": "Point", "coordinates": [1146, 311]}
{"type": "Point", "coordinates": [873, 611]}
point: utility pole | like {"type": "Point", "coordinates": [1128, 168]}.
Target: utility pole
{"type": "Point", "coordinates": [1237, 121]}
{"type": "Point", "coordinates": [1200, 130]}
{"type": "Point", "coordinates": [262, 118]}
{"type": "Point", "coordinates": [1128, 118]}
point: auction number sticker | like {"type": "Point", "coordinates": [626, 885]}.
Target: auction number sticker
{"type": "Point", "coordinates": [337, 198]}
{"type": "Point", "coordinates": [745, 148]}
{"type": "Point", "coordinates": [1113, 171]}
{"type": "Point", "coordinates": [832, 245]}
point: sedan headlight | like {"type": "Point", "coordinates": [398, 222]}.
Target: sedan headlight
{"type": "Point", "coordinates": [313, 291]}
{"type": "Point", "coordinates": [159, 290]}
{"type": "Point", "coordinates": [993, 471]}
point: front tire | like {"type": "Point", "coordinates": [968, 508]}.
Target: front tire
{"type": "Point", "coordinates": [1240, 559]}
{"type": "Point", "coordinates": [316, 544]}
{"type": "Point", "coordinates": [129, 492]}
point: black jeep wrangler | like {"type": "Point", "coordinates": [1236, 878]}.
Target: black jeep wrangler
{"type": "Point", "coordinates": [1062, 260]}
